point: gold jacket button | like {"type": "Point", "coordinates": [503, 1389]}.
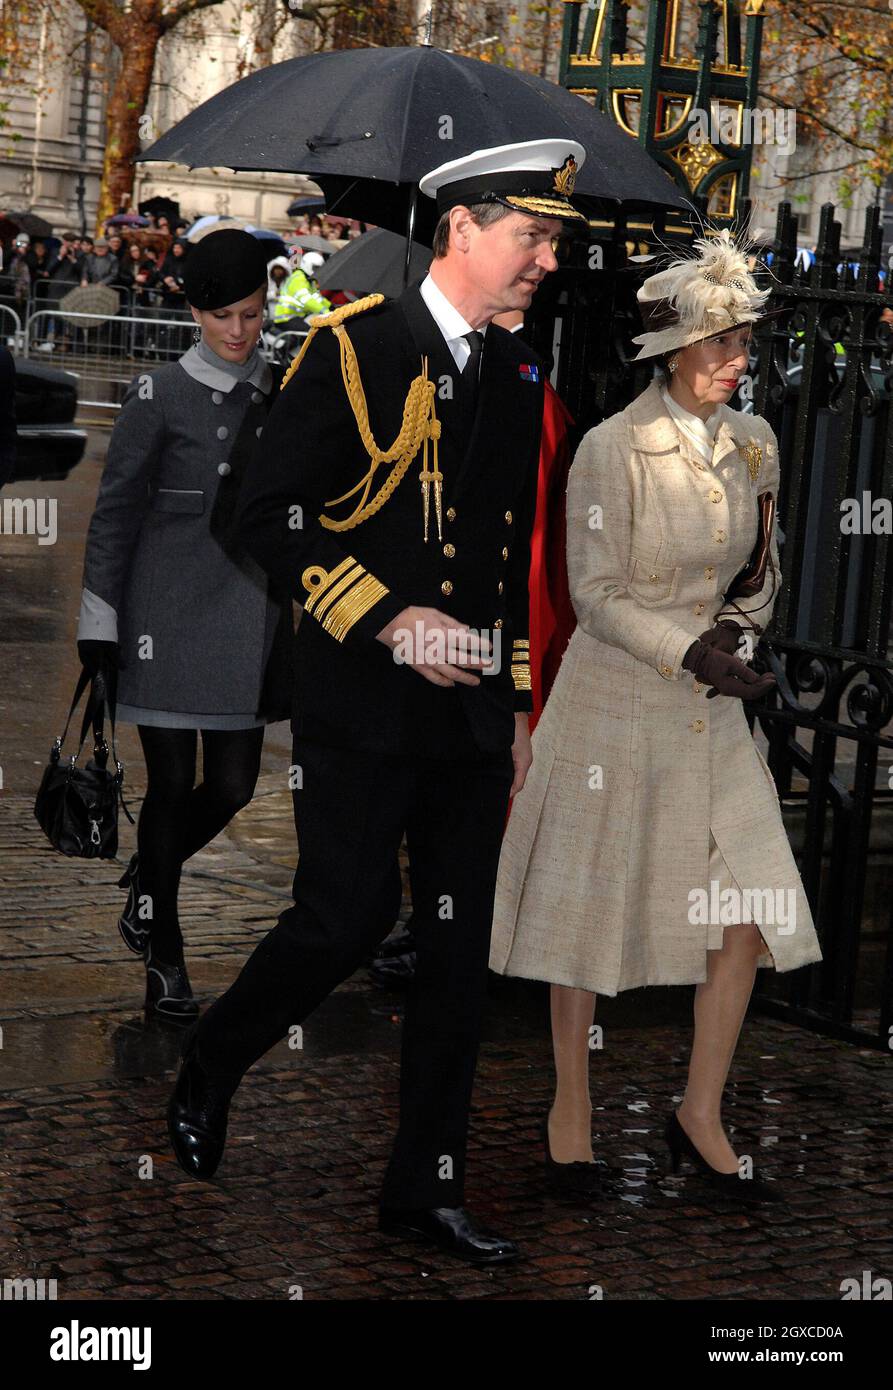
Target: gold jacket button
{"type": "Point", "coordinates": [698, 726]}
{"type": "Point", "coordinates": [715, 495]}
{"type": "Point", "coordinates": [505, 552]}
{"type": "Point", "coordinates": [446, 587]}
{"type": "Point", "coordinates": [709, 572]}
{"type": "Point", "coordinates": [699, 608]}
{"type": "Point", "coordinates": [652, 578]}
{"type": "Point", "coordinates": [719, 537]}
{"type": "Point", "coordinates": [449, 550]}
{"type": "Point", "coordinates": [697, 688]}
{"type": "Point", "coordinates": [508, 517]}
{"type": "Point", "coordinates": [498, 622]}
{"type": "Point", "coordinates": [500, 586]}
{"type": "Point", "coordinates": [666, 670]}
{"type": "Point", "coordinates": [451, 514]}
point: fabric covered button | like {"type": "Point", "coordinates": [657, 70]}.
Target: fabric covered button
{"type": "Point", "coordinates": [222, 431]}
{"type": "Point", "coordinates": [257, 397]}
{"type": "Point", "coordinates": [217, 397]}
{"type": "Point", "coordinates": [223, 469]}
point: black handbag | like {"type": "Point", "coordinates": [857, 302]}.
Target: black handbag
{"type": "Point", "coordinates": [77, 807]}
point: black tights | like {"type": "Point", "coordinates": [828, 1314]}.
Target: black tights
{"type": "Point", "coordinates": [177, 817]}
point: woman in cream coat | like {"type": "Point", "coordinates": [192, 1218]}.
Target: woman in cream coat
{"type": "Point", "coordinates": [648, 800]}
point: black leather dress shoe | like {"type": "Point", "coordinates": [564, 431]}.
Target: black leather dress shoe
{"type": "Point", "coordinates": [168, 991]}
{"type": "Point", "coordinates": [452, 1230]}
{"type": "Point", "coordinates": [197, 1116]}
{"type": "Point", "coordinates": [134, 932]}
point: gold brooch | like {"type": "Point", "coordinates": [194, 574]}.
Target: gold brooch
{"type": "Point", "coordinates": [566, 177]}
{"type": "Point", "coordinates": [754, 456]}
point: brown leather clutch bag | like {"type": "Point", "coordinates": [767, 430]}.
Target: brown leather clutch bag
{"type": "Point", "coordinates": [750, 580]}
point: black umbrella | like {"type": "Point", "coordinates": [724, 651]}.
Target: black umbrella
{"type": "Point", "coordinates": [379, 118]}
{"type": "Point", "coordinates": [374, 263]}
{"type": "Point", "coordinates": [29, 222]}
{"type": "Point", "coordinates": [159, 206]}
{"type": "Point", "coordinates": [307, 202]}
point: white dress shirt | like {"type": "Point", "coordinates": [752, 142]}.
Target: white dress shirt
{"type": "Point", "coordinates": [448, 319]}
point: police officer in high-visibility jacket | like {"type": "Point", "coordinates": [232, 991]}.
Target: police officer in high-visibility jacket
{"type": "Point", "coordinates": [300, 295]}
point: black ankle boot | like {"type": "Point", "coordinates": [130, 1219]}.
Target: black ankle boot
{"type": "Point", "coordinates": [197, 1116]}
{"type": "Point", "coordinates": [168, 991]}
{"type": "Point", "coordinates": [134, 932]}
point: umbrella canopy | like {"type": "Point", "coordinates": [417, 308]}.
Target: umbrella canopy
{"type": "Point", "coordinates": [28, 222]}
{"type": "Point", "coordinates": [127, 219]}
{"type": "Point", "coordinates": [308, 242]}
{"type": "Point", "coordinates": [100, 301]}
{"type": "Point", "coordinates": [308, 202]}
{"type": "Point", "coordinates": [374, 264]}
{"type": "Point", "coordinates": [159, 206]}
{"type": "Point", "coordinates": [377, 119]}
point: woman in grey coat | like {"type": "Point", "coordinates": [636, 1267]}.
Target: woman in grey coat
{"type": "Point", "coordinates": [186, 625]}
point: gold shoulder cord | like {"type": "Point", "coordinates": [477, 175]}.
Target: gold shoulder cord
{"type": "Point", "coordinates": [420, 424]}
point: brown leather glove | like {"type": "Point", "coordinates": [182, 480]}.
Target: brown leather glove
{"type": "Point", "coordinates": [725, 634]}
{"type": "Point", "coordinates": [725, 673]}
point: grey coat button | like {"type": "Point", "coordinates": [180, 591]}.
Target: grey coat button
{"type": "Point", "coordinates": [257, 397]}
{"type": "Point", "coordinates": [223, 469]}
{"type": "Point", "coordinates": [259, 431]}
{"type": "Point", "coordinates": [222, 431]}
{"type": "Point", "coordinates": [217, 397]}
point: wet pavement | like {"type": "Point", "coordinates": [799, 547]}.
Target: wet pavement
{"type": "Point", "coordinates": [93, 1198]}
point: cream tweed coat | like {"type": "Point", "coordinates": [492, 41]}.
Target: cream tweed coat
{"type": "Point", "coordinates": [641, 789]}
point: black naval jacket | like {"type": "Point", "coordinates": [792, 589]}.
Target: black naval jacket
{"type": "Point", "coordinates": [348, 689]}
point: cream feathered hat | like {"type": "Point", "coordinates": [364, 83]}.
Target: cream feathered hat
{"type": "Point", "coordinates": [697, 296]}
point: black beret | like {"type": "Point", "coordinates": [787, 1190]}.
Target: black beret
{"type": "Point", "coordinates": [223, 268]}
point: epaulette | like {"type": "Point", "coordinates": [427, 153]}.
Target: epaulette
{"type": "Point", "coordinates": [333, 319]}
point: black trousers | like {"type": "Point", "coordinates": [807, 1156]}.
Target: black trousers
{"type": "Point", "coordinates": [351, 813]}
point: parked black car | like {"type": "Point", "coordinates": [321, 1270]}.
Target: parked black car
{"type": "Point", "coordinates": [48, 443]}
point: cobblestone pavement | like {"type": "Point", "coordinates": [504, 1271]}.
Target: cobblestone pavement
{"type": "Point", "coordinates": [92, 1197]}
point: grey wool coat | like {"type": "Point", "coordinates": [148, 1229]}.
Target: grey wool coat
{"type": "Point", "coordinates": [642, 791]}
{"type": "Point", "coordinates": [199, 631]}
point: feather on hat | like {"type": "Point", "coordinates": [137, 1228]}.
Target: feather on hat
{"type": "Point", "coordinates": [697, 296]}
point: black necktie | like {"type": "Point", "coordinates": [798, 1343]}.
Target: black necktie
{"type": "Point", "coordinates": [472, 369]}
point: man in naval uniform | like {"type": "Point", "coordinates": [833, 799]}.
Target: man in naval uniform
{"type": "Point", "coordinates": [394, 494]}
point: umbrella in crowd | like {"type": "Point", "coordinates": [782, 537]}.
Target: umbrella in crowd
{"type": "Point", "coordinates": [12, 223]}
{"type": "Point", "coordinates": [366, 124]}
{"type": "Point", "coordinates": [160, 206]}
{"type": "Point", "coordinates": [374, 264]}
{"type": "Point", "coordinates": [99, 301]}
{"type": "Point", "coordinates": [307, 203]}
{"type": "Point", "coordinates": [308, 242]}
{"type": "Point", "coordinates": [127, 219]}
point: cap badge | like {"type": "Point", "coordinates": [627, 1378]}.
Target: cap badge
{"type": "Point", "coordinates": [566, 177]}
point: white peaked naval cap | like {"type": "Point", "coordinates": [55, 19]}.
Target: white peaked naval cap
{"type": "Point", "coordinates": [532, 176]}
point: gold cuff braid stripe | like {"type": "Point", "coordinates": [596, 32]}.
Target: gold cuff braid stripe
{"type": "Point", "coordinates": [521, 674]}
{"type": "Point", "coordinates": [345, 582]}
{"type": "Point", "coordinates": [317, 580]}
{"type": "Point", "coordinates": [352, 606]}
